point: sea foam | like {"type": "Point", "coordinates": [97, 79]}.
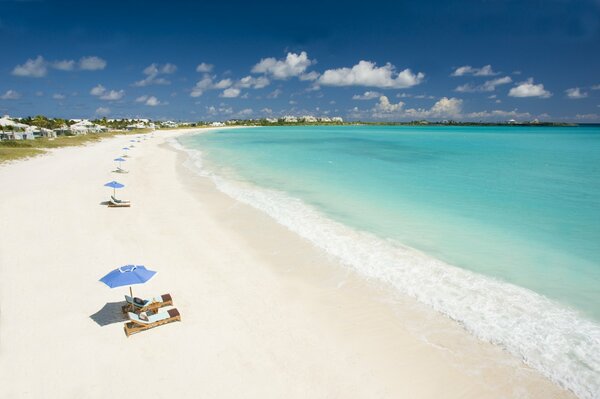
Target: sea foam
{"type": "Point", "coordinates": [557, 341]}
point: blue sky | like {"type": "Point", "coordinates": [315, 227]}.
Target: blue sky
{"type": "Point", "coordinates": [392, 60]}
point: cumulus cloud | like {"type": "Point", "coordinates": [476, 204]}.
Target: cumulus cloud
{"type": "Point", "coordinates": [222, 84]}
{"type": "Point", "coordinates": [529, 89]}
{"type": "Point", "coordinates": [293, 65]}
{"type": "Point", "coordinates": [38, 67]}
{"type": "Point", "coordinates": [267, 111]}
{"type": "Point", "coordinates": [204, 67]}
{"type": "Point", "coordinates": [487, 86]}
{"type": "Point", "coordinates": [91, 63]}
{"type": "Point", "coordinates": [498, 115]}
{"type": "Point", "coordinates": [366, 73]}
{"type": "Point", "coordinates": [102, 111]}
{"type": "Point", "coordinates": [443, 108]}
{"type": "Point", "coordinates": [367, 95]}
{"type": "Point", "coordinates": [152, 101]}
{"type": "Point", "coordinates": [97, 90]}
{"type": "Point", "coordinates": [245, 112]}
{"type": "Point", "coordinates": [252, 82]}
{"type": "Point", "coordinates": [64, 65]}
{"type": "Point", "coordinates": [469, 70]}
{"type": "Point", "coordinates": [596, 87]}
{"type": "Point", "coordinates": [109, 95]}
{"type": "Point", "coordinates": [587, 117]}
{"type": "Point", "coordinates": [10, 95]}
{"type": "Point", "coordinates": [575, 93]}
{"type": "Point", "coordinates": [313, 75]}
{"type": "Point", "coordinates": [231, 92]}
{"type": "Point", "coordinates": [33, 68]}
{"type": "Point", "coordinates": [59, 96]}
{"type": "Point", "coordinates": [385, 106]}
{"type": "Point", "coordinates": [154, 74]}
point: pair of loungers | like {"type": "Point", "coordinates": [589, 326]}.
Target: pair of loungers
{"type": "Point", "coordinates": [145, 314]}
{"type": "Point", "coordinates": [117, 203]}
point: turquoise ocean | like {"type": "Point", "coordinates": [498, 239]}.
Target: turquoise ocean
{"type": "Point", "coordinates": [495, 227]}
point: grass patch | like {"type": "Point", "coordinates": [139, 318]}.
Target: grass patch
{"type": "Point", "coordinates": [11, 150]}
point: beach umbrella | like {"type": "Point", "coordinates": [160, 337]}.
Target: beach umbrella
{"type": "Point", "coordinates": [119, 160]}
{"type": "Point", "coordinates": [128, 275]}
{"type": "Point", "coordinates": [126, 149]}
{"type": "Point", "coordinates": [114, 185]}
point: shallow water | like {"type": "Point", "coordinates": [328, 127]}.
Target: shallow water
{"type": "Point", "coordinates": [489, 210]}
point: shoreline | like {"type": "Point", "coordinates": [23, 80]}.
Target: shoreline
{"type": "Point", "coordinates": [264, 315]}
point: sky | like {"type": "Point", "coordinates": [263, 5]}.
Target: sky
{"type": "Point", "coordinates": [473, 60]}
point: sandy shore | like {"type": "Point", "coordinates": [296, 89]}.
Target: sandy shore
{"type": "Point", "coordinates": [264, 314]}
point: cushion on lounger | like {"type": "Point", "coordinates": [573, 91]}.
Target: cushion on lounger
{"type": "Point", "coordinates": [139, 301]}
{"type": "Point", "coordinates": [144, 316]}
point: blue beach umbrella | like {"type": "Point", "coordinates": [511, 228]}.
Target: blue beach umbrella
{"type": "Point", "coordinates": [126, 149]}
{"type": "Point", "coordinates": [119, 160]}
{"type": "Point", "coordinates": [114, 185]}
{"type": "Point", "coordinates": [128, 275]}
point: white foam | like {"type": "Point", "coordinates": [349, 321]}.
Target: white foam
{"type": "Point", "coordinates": [557, 341]}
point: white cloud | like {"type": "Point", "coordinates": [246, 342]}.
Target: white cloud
{"type": "Point", "coordinates": [487, 86]}
{"type": "Point", "coordinates": [222, 84]}
{"type": "Point", "coordinates": [575, 93]}
{"type": "Point", "coordinates": [469, 70]}
{"type": "Point", "coordinates": [245, 112]}
{"type": "Point", "coordinates": [109, 95]}
{"type": "Point", "coordinates": [367, 95]}
{"type": "Point", "coordinates": [38, 67]}
{"type": "Point", "coordinates": [313, 75]}
{"type": "Point", "coordinates": [98, 90]}
{"type": "Point", "coordinates": [529, 89]}
{"type": "Point", "coordinates": [293, 65]}
{"type": "Point", "coordinates": [113, 95]}
{"type": "Point", "coordinates": [231, 92]}
{"type": "Point", "coordinates": [596, 87]}
{"type": "Point", "coordinates": [153, 74]}
{"type": "Point", "coordinates": [204, 67]}
{"type": "Point", "coordinates": [274, 94]}
{"type": "Point", "coordinates": [207, 83]}
{"type": "Point", "coordinates": [33, 68]}
{"type": "Point", "coordinates": [255, 83]}
{"type": "Point", "coordinates": [385, 106]}
{"type": "Point", "coordinates": [444, 107]}
{"type": "Point", "coordinates": [59, 96]}
{"type": "Point", "coordinates": [268, 111]}
{"type": "Point", "coordinates": [499, 114]}
{"type": "Point", "coordinates": [92, 63]}
{"type": "Point", "coordinates": [10, 95]}
{"type": "Point", "coordinates": [366, 73]}
{"type": "Point", "coordinates": [152, 101]}
{"type": "Point", "coordinates": [64, 65]}
{"type": "Point", "coordinates": [141, 99]}
{"type": "Point", "coordinates": [102, 111]}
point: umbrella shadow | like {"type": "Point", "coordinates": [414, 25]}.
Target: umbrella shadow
{"type": "Point", "coordinates": [104, 203]}
{"type": "Point", "coordinates": [110, 313]}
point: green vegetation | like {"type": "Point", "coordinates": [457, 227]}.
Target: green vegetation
{"type": "Point", "coordinates": [11, 150]}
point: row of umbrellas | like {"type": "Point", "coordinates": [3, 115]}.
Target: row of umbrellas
{"type": "Point", "coordinates": [127, 275]}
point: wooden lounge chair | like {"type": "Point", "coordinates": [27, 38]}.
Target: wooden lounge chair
{"type": "Point", "coordinates": [138, 305]}
{"type": "Point", "coordinates": [117, 203]}
{"type": "Point", "coordinates": [137, 324]}
{"type": "Point", "coordinates": [121, 170]}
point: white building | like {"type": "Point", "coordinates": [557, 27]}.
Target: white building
{"type": "Point", "coordinates": [85, 126]}
{"type": "Point", "coordinates": [337, 119]}
{"type": "Point", "coordinates": [309, 119]}
{"type": "Point", "coordinates": [290, 119]}
{"type": "Point", "coordinates": [272, 120]}
{"type": "Point", "coordinates": [217, 124]}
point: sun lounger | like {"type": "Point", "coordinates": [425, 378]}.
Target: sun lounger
{"type": "Point", "coordinates": [138, 305]}
{"type": "Point", "coordinates": [118, 203]}
{"type": "Point", "coordinates": [119, 170]}
{"type": "Point", "coordinates": [138, 324]}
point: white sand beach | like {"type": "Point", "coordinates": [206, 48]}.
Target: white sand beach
{"type": "Point", "coordinates": [264, 313]}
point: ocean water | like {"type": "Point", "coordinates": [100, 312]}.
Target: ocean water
{"type": "Point", "coordinates": [496, 227]}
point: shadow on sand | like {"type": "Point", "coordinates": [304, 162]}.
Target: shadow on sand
{"type": "Point", "coordinates": [109, 314]}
